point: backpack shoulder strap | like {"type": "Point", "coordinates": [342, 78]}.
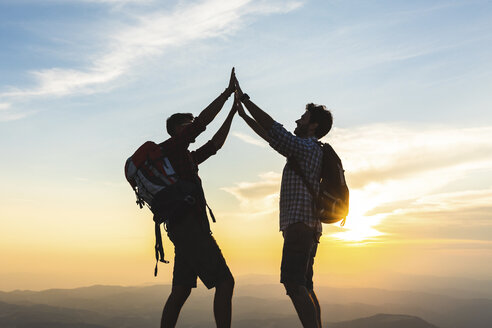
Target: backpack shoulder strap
{"type": "Point", "coordinates": [327, 148]}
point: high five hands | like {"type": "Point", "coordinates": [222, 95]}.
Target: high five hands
{"type": "Point", "coordinates": [238, 94]}
{"type": "Point", "coordinates": [259, 121]}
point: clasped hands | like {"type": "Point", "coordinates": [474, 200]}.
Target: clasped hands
{"type": "Point", "coordinates": [239, 96]}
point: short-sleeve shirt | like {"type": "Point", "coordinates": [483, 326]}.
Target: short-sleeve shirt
{"type": "Point", "coordinates": [296, 202]}
{"type": "Point", "coordinates": [185, 163]}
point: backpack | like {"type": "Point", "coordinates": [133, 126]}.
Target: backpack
{"type": "Point", "coordinates": [332, 202]}
{"type": "Point", "coordinates": [157, 185]}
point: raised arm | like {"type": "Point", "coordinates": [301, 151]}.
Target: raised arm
{"type": "Point", "coordinates": [251, 122]}
{"type": "Point", "coordinates": [209, 113]}
{"type": "Point", "coordinates": [220, 136]}
{"type": "Point", "coordinates": [263, 119]}
{"type": "Point", "coordinates": [210, 148]}
{"type": "Point", "coordinates": [277, 136]}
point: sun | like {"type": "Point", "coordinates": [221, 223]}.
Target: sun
{"type": "Point", "coordinates": [359, 227]}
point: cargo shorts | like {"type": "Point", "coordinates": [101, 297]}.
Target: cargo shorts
{"type": "Point", "coordinates": [299, 250]}
{"type": "Point", "coordinates": [196, 254]}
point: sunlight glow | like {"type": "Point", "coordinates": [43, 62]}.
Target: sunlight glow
{"type": "Point", "coordinates": [359, 227]}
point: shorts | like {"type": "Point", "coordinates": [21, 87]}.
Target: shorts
{"type": "Point", "coordinates": [300, 246]}
{"type": "Point", "coordinates": [196, 254]}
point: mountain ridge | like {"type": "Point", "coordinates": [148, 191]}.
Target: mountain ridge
{"type": "Point", "coordinates": [142, 305]}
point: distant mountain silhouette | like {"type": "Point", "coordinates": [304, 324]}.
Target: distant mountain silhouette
{"type": "Point", "coordinates": [377, 321]}
{"type": "Point", "coordinates": [384, 321]}
{"type": "Point", "coordinates": [254, 306]}
{"type": "Point", "coordinates": [57, 325]}
{"type": "Point", "coordinates": [44, 316]}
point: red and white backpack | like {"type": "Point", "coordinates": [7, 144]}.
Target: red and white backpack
{"type": "Point", "coordinates": [148, 171]}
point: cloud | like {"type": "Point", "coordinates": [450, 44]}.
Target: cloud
{"type": "Point", "coordinates": [118, 1]}
{"type": "Point", "coordinates": [363, 42]}
{"type": "Point", "coordinates": [259, 197]}
{"type": "Point", "coordinates": [477, 201]}
{"type": "Point", "coordinates": [249, 139]}
{"type": "Point", "coordinates": [4, 106]}
{"type": "Point", "coordinates": [397, 174]}
{"type": "Point", "coordinates": [151, 35]}
{"type": "Point", "coordinates": [384, 152]}
{"type": "Point", "coordinates": [463, 214]}
{"type": "Point", "coordinates": [8, 114]}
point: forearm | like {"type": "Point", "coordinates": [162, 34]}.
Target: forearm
{"type": "Point", "coordinates": [209, 113]}
{"type": "Point", "coordinates": [221, 135]}
{"type": "Point", "coordinates": [263, 119]}
{"type": "Point", "coordinates": [256, 127]}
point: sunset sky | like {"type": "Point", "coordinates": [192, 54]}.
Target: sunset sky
{"type": "Point", "coordinates": [83, 83]}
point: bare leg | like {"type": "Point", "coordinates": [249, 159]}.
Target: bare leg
{"type": "Point", "coordinates": [316, 305]}
{"type": "Point", "coordinates": [223, 303]}
{"type": "Point", "coordinates": [304, 305]}
{"type": "Point", "coordinates": [178, 296]}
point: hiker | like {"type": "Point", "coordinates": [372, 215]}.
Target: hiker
{"type": "Point", "coordinates": [196, 251]}
{"type": "Point", "coordinates": [300, 228]}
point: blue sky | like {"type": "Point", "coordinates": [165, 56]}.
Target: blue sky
{"type": "Point", "coordinates": [83, 83]}
{"type": "Point", "coordinates": [410, 61]}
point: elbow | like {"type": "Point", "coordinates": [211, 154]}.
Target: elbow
{"type": "Point", "coordinates": [217, 144]}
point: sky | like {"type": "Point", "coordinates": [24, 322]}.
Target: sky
{"type": "Point", "coordinates": [83, 83]}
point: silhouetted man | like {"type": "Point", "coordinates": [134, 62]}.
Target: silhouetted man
{"type": "Point", "coordinates": [301, 229]}
{"type": "Point", "coordinates": [196, 251]}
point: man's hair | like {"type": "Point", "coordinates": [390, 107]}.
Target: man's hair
{"type": "Point", "coordinates": [319, 114]}
{"type": "Point", "coordinates": [177, 119]}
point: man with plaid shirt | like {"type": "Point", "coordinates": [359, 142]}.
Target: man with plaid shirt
{"type": "Point", "coordinates": [301, 229]}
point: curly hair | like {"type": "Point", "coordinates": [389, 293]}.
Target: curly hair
{"type": "Point", "coordinates": [319, 114]}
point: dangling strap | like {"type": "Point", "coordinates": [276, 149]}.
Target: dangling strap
{"type": "Point", "coordinates": [140, 201]}
{"type": "Point", "coordinates": [159, 249]}
{"type": "Point", "coordinates": [211, 213]}
{"type": "Point", "coordinates": [199, 183]}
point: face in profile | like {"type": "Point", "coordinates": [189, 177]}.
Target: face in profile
{"type": "Point", "coordinates": [302, 127]}
{"type": "Point", "coordinates": [178, 128]}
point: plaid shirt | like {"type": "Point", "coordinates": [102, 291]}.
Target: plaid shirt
{"type": "Point", "coordinates": [296, 203]}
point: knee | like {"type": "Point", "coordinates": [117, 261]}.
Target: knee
{"type": "Point", "coordinates": [226, 285]}
{"type": "Point", "coordinates": [293, 289]}
{"type": "Point", "coordinates": [229, 283]}
{"type": "Point", "coordinates": [180, 293]}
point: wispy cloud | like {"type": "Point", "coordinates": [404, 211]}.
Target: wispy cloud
{"type": "Point", "coordinates": [4, 106]}
{"type": "Point", "coordinates": [249, 139]}
{"type": "Point", "coordinates": [259, 197]}
{"type": "Point", "coordinates": [8, 114]}
{"type": "Point", "coordinates": [151, 35]}
{"type": "Point", "coordinates": [385, 152]}
{"type": "Point", "coordinates": [465, 215]}
{"type": "Point", "coordinates": [443, 203]}
{"type": "Point", "coordinates": [118, 1]}
{"type": "Point", "coordinates": [396, 174]}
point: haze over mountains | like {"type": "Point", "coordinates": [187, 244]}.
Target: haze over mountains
{"type": "Point", "coordinates": [255, 305]}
